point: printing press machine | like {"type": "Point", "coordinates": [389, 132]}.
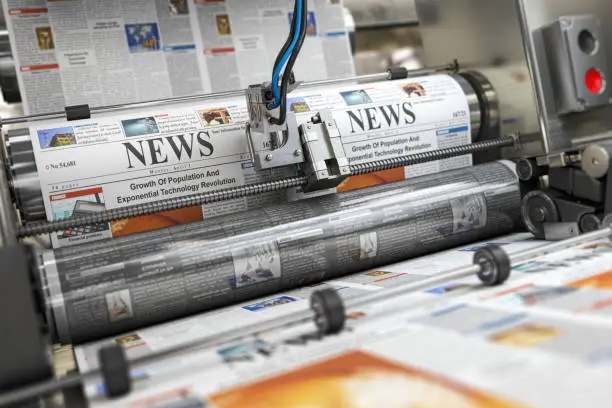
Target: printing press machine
{"type": "Point", "coordinates": [534, 74]}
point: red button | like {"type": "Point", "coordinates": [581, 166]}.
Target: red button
{"type": "Point", "coordinates": [594, 81]}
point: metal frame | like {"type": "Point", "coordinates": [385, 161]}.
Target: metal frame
{"type": "Point", "coordinates": [506, 45]}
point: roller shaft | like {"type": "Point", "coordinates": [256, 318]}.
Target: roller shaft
{"type": "Point", "coordinates": [253, 189]}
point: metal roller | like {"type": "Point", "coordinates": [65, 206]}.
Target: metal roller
{"type": "Point", "coordinates": [98, 289]}
{"type": "Point", "coordinates": [23, 176]}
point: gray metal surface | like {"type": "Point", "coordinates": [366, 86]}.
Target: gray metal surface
{"type": "Point", "coordinates": [488, 36]}
{"type": "Point", "coordinates": [327, 164]}
{"type": "Point", "coordinates": [121, 284]}
{"type": "Point", "coordinates": [596, 159]}
{"type": "Point", "coordinates": [573, 45]}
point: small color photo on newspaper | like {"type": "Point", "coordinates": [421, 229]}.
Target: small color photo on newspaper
{"type": "Point", "coordinates": [57, 137]}
{"type": "Point", "coordinates": [78, 203]}
{"type": "Point", "coordinates": [215, 117]}
{"type": "Point", "coordinates": [414, 90]}
{"type": "Point", "coordinates": [268, 303]}
{"type": "Point", "coordinates": [44, 38]}
{"type": "Point", "coordinates": [140, 126]}
{"type": "Point", "coordinates": [298, 105]}
{"type": "Point", "coordinates": [245, 351]}
{"type": "Point", "coordinates": [357, 97]}
{"type": "Point", "coordinates": [223, 24]}
{"type": "Point", "coordinates": [178, 7]}
{"type": "Point", "coordinates": [143, 37]}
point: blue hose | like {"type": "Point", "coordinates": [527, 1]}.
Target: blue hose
{"type": "Point", "coordinates": [283, 61]}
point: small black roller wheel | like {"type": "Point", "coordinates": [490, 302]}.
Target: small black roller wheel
{"type": "Point", "coordinates": [329, 311]}
{"type": "Point", "coordinates": [527, 169]}
{"type": "Point", "coordinates": [115, 370]}
{"type": "Point", "coordinates": [539, 208]}
{"type": "Point", "coordinates": [590, 223]}
{"type": "Point", "coordinates": [494, 263]}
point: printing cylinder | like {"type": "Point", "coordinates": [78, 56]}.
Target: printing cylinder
{"type": "Point", "coordinates": [22, 167]}
{"type": "Point", "coordinates": [103, 288]}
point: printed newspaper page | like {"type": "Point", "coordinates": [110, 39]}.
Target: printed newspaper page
{"type": "Point", "coordinates": [143, 155]}
{"type": "Point", "coordinates": [534, 341]}
{"type": "Point", "coordinates": [393, 119]}
{"type": "Point", "coordinates": [167, 335]}
{"type": "Point", "coordinates": [100, 53]}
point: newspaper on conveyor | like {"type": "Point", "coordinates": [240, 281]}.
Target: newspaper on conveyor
{"type": "Point", "coordinates": [541, 339]}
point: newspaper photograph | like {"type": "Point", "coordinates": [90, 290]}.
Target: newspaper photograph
{"type": "Point", "coordinates": [466, 349]}
{"type": "Point", "coordinates": [117, 160]}
{"type": "Point", "coordinates": [112, 52]}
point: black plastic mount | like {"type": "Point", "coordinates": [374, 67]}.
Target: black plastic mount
{"type": "Point", "coordinates": [397, 73]}
{"type": "Point", "coordinates": [77, 112]}
{"type": "Point", "coordinates": [25, 342]}
{"type": "Point", "coordinates": [571, 203]}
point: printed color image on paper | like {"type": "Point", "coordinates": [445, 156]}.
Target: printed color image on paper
{"type": "Point", "coordinates": [414, 90]}
{"type": "Point", "coordinates": [143, 37]}
{"type": "Point", "coordinates": [44, 37]}
{"type": "Point", "coordinates": [525, 335]}
{"type": "Point", "coordinates": [178, 7]}
{"type": "Point", "coordinates": [140, 126]}
{"type": "Point", "coordinates": [357, 97]}
{"type": "Point", "coordinates": [357, 380]}
{"type": "Point", "coordinates": [215, 116]}
{"type": "Point", "coordinates": [56, 137]}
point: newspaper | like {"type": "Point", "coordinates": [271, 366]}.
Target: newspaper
{"type": "Point", "coordinates": [535, 341]}
{"type": "Point", "coordinates": [141, 156]}
{"type": "Point", "coordinates": [111, 52]}
{"type": "Point", "coordinates": [102, 288]}
{"type": "Point", "coordinates": [159, 337]}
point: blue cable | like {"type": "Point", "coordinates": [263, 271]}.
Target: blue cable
{"type": "Point", "coordinates": [283, 61]}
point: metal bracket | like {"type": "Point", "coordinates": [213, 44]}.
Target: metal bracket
{"type": "Point", "coordinates": [270, 145]}
{"type": "Point", "coordinates": [326, 162]}
{"type": "Point", "coordinates": [577, 198]}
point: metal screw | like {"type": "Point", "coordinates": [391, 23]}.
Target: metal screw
{"type": "Point", "coordinates": [539, 214]}
{"type": "Point", "coordinates": [566, 22]}
{"type": "Point", "coordinates": [330, 124]}
{"type": "Point", "coordinates": [297, 152]}
{"type": "Point", "coordinates": [309, 126]}
{"type": "Point", "coordinates": [269, 157]}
